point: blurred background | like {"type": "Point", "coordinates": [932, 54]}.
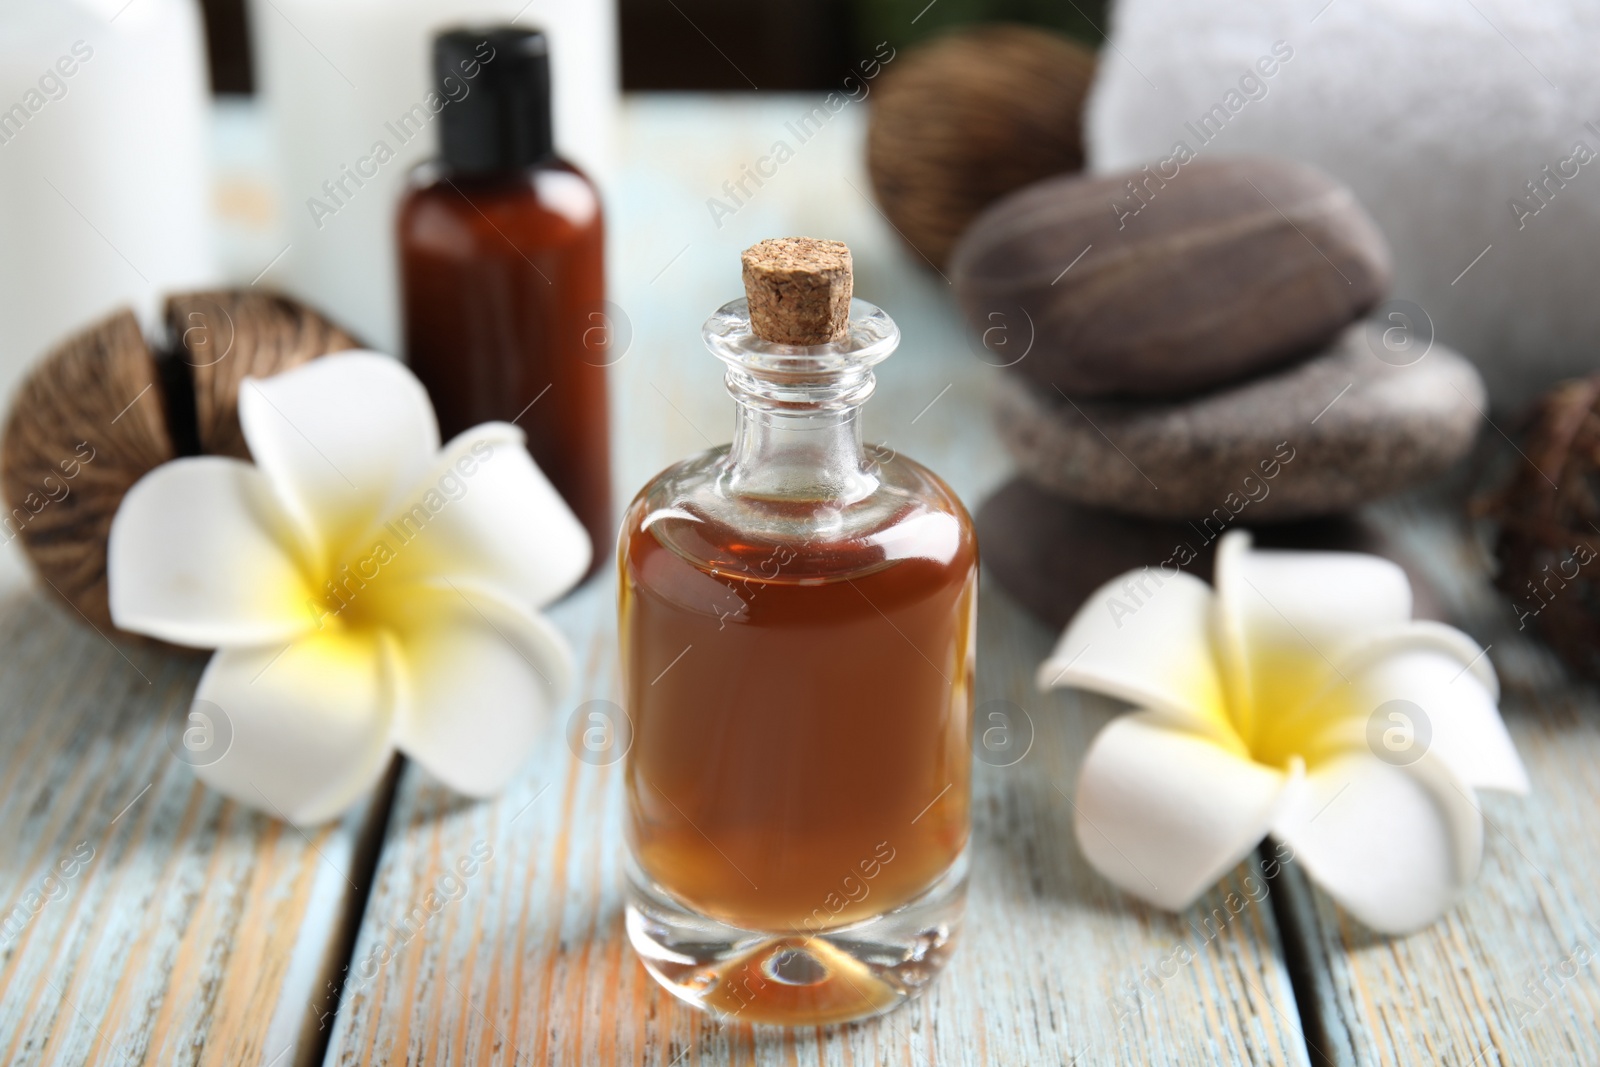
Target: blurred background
{"type": "Point", "coordinates": [976, 151]}
{"type": "Point", "coordinates": [799, 44]}
{"type": "Point", "coordinates": [182, 147]}
{"type": "Point", "coordinates": [177, 153]}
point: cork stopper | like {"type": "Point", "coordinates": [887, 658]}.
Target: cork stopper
{"type": "Point", "coordinates": [798, 289]}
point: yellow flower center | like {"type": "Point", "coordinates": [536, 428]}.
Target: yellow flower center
{"type": "Point", "coordinates": [1290, 702]}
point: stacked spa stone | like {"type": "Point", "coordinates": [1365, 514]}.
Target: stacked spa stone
{"type": "Point", "coordinates": [1196, 358]}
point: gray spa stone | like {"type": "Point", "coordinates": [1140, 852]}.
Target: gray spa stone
{"type": "Point", "coordinates": [1320, 437]}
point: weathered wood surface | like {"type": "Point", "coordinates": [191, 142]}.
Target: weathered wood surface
{"type": "Point", "coordinates": [530, 963]}
{"type": "Point", "coordinates": [1512, 974]}
{"type": "Point", "coordinates": [200, 933]}
{"type": "Point", "coordinates": [147, 920]}
{"type": "Point", "coordinates": [525, 961]}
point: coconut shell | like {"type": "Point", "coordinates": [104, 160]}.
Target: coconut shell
{"type": "Point", "coordinates": [226, 336]}
{"type": "Point", "coordinates": [103, 409]}
{"type": "Point", "coordinates": [966, 118]}
{"type": "Point", "coordinates": [85, 425]}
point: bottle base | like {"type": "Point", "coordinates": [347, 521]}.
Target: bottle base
{"type": "Point", "coordinates": [796, 978]}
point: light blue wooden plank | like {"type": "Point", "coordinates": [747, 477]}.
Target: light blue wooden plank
{"type": "Point", "coordinates": [183, 929]}
{"type": "Point", "coordinates": [1501, 979]}
{"type": "Point", "coordinates": [530, 965]}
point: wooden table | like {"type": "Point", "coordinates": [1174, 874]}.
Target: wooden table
{"type": "Point", "coordinates": [193, 931]}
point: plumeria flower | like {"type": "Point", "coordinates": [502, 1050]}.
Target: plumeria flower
{"type": "Point", "coordinates": [1299, 699]}
{"type": "Point", "coordinates": [365, 589]}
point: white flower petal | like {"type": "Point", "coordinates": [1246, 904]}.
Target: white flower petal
{"type": "Point", "coordinates": [1393, 845]}
{"type": "Point", "coordinates": [484, 676]}
{"type": "Point", "coordinates": [484, 513]}
{"type": "Point", "coordinates": [311, 723]}
{"type": "Point", "coordinates": [1164, 813]}
{"type": "Point", "coordinates": [1285, 617]}
{"type": "Point", "coordinates": [199, 554]}
{"type": "Point", "coordinates": [341, 438]}
{"type": "Point", "coordinates": [1146, 638]}
{"type": "Point", "coordinates": [1324, 596]}
{"type": "Point", "coordinates": [1423, 634]}
{"type": "Point", "coordinates": [1461, 724]}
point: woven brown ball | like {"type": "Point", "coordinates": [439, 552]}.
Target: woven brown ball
{"type": "Point", "coordinates": [104, 408]}
{"type": "Point", "coordinates": [966, 118]}
{"type": "Point", "coordinates": [1548, 544]}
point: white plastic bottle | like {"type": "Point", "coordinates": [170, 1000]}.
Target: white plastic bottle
{"type": "Point", "coordinates": [347, 86]}
{"type": "Point", "coordinates": [104, 165]}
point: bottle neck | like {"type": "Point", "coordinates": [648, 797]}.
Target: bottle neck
{"type": "Point", "coordinates": [798, 449]}
{"type": "Point", "coordinates": [798, 434]}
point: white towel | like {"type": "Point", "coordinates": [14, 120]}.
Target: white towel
{"type": "Point", "coordinates": [1438, 113]}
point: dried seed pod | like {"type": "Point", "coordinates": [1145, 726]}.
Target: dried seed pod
{"type": "Point", "coordinates": [959, 122]}
{"type": "Point", "coordinates": [1548, 513]}
{"type": "Point", "coordinates": [85, 425]}
{"type": "Point", "coordinates": [229, 335]}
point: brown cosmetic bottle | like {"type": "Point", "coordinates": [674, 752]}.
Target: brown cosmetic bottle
{"type": "Point", "coordinates": [502, 267]}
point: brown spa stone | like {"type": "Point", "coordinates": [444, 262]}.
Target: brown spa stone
{"type": "Point", "coordinates": [1222, 269]}
{"type": "Point", "coordinates": [1049, 554]}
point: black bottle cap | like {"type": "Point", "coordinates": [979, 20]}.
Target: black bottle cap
{"type": "Point", "coordinates": [497, 84]}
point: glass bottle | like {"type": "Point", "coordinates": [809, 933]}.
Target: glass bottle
{"type": "Point", "coordinates": [502, 265]}
{"type": "Point", "coordinates": [797, 622]}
